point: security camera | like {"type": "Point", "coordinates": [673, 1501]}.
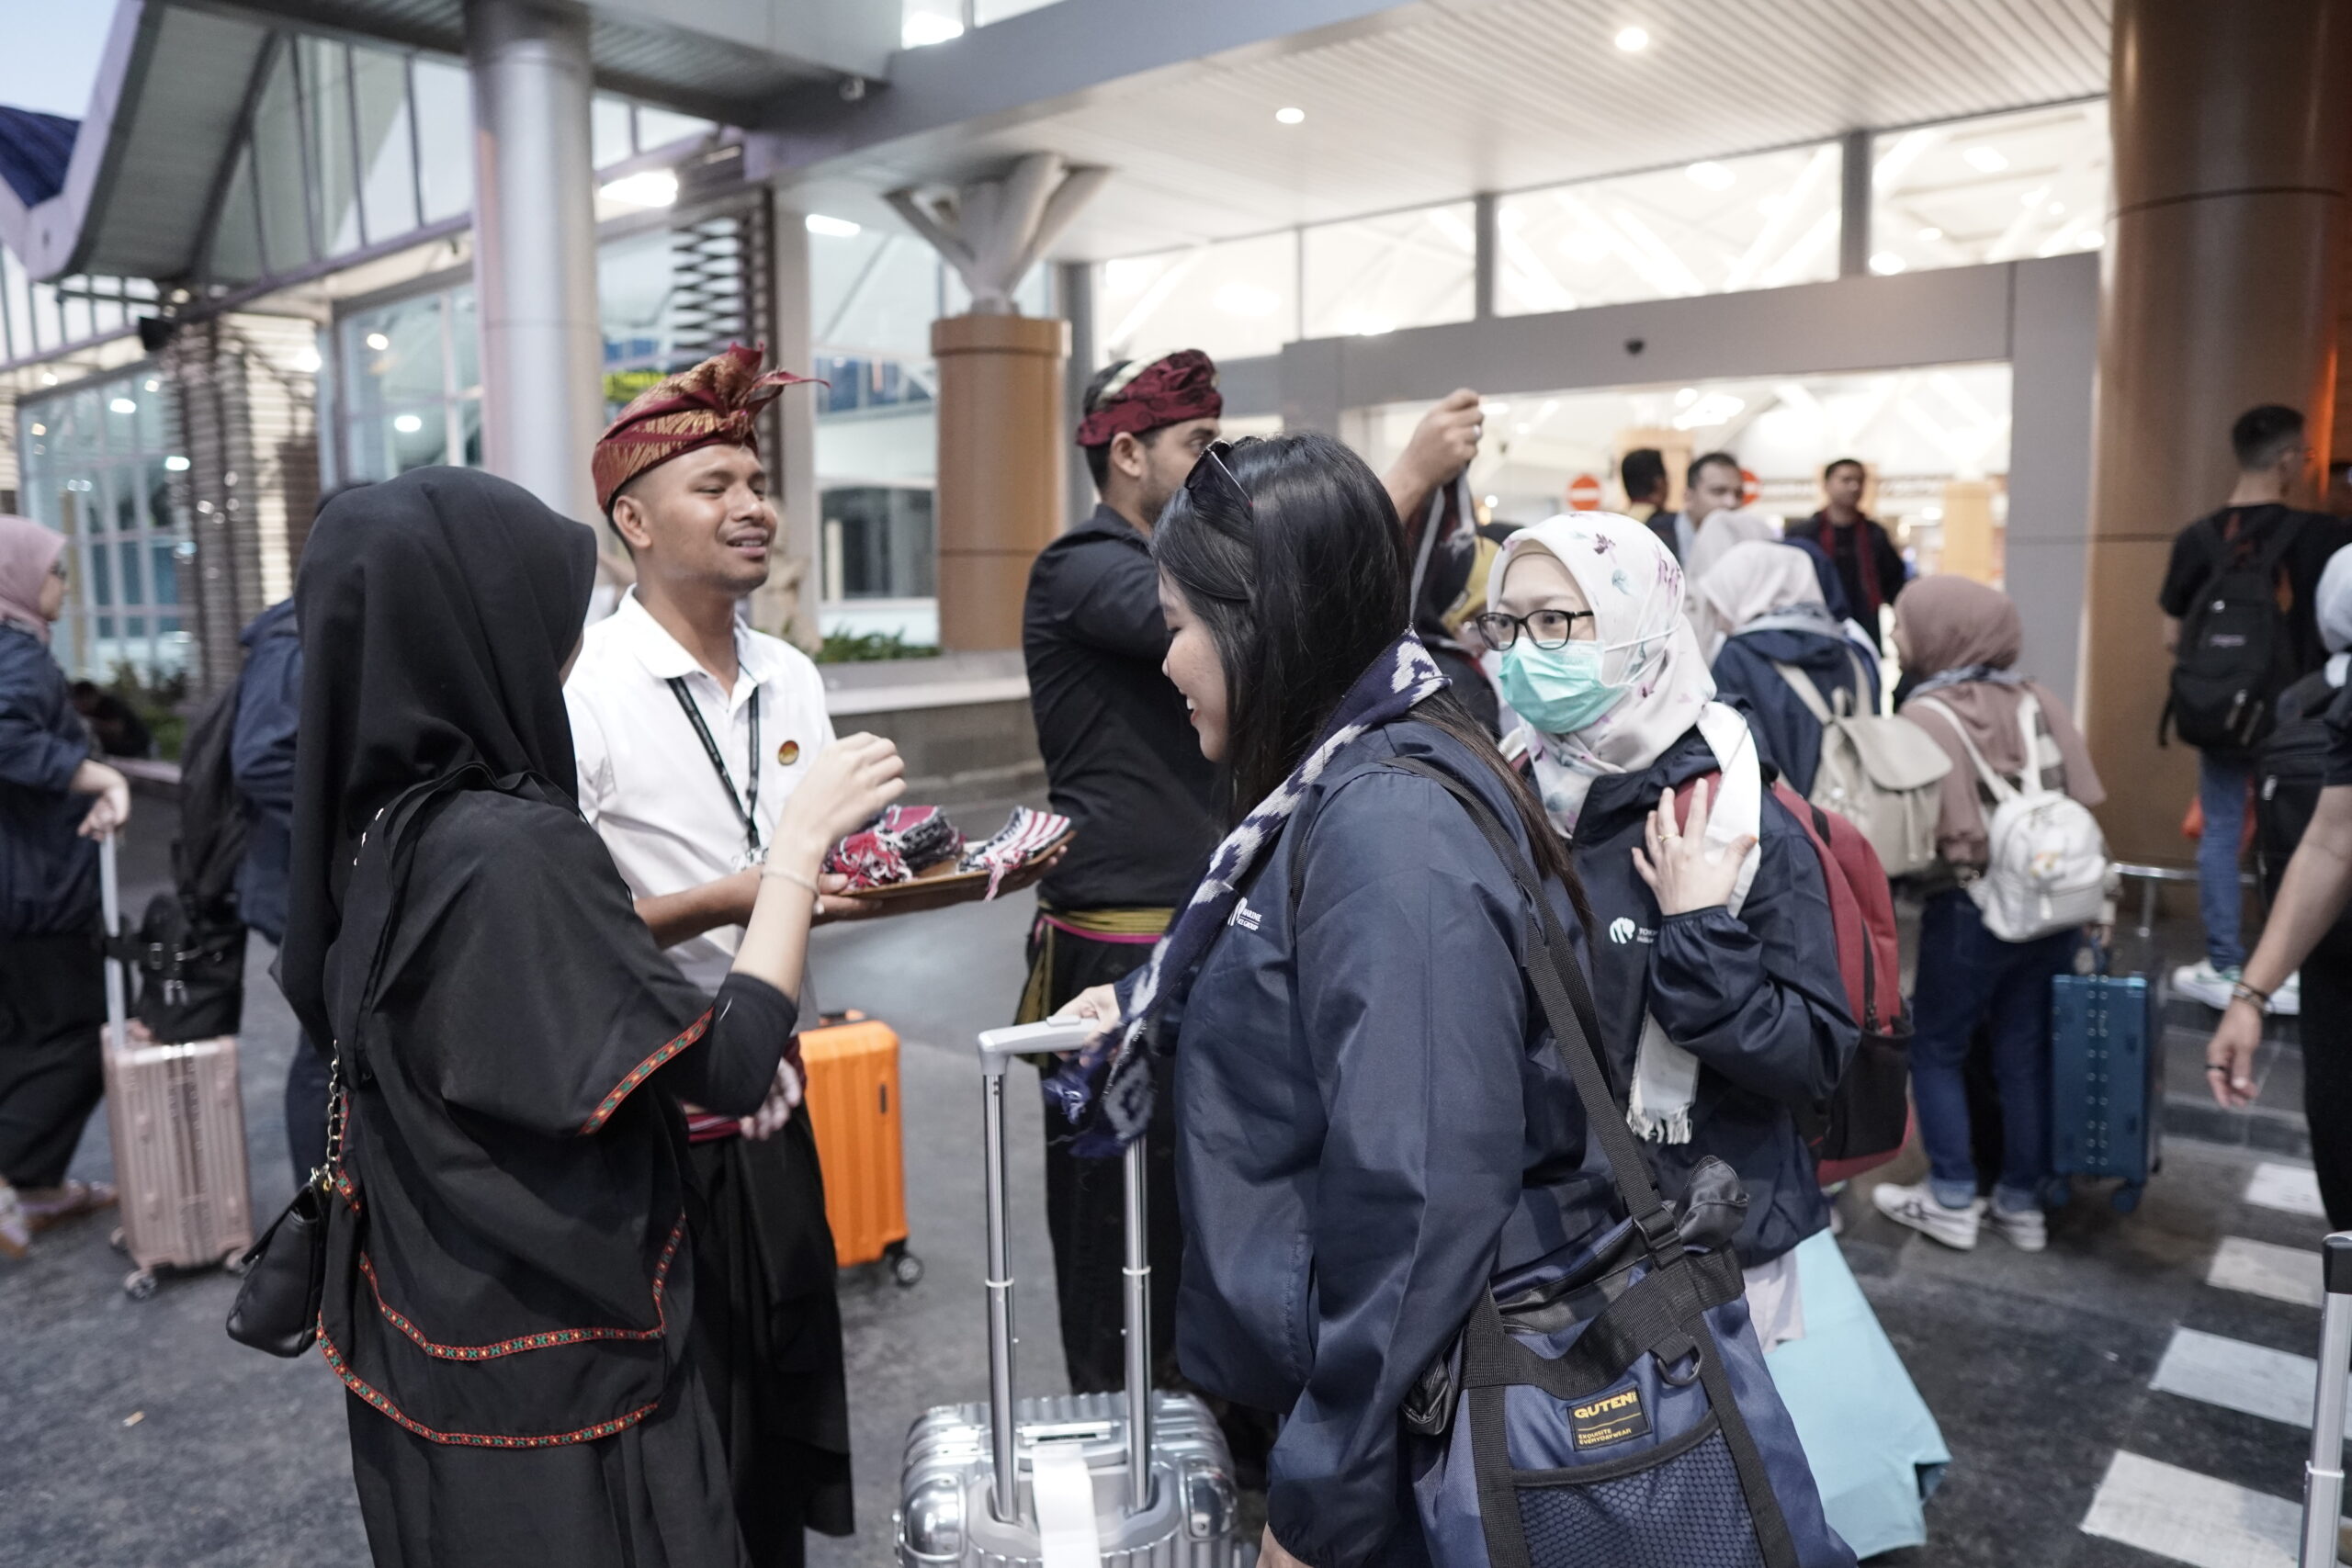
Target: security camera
{"type": "Point", "coordinates": [1635, 346]}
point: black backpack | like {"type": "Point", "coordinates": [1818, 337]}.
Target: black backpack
{"type": "Point", "coordinates": [188, 952]}
{"type": "Point", "coordinates": [2289, 772]}
{"type": "Point", "coordinates": [2234, 656]}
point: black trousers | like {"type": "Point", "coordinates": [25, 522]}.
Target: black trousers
{"type": "Point", "coordinates": [53, 1005]}
{"type": "Point", "coordinates": [2326, 1024]}
{"type": "Point", "coordinates": [1086, 1207]}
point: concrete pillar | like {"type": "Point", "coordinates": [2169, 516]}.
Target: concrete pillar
{"type": "Point", "coordinates": [2231, 125]}
{"type": "Point", "coordinates": [535, 247]}
{"type": "Point", "coordinates": [788, 605]}
{"type": "Point", "coordinates": [1002, 446]}
{"type": "Point", "coordinates": [1076, 294]}
{"type": "Point", "coordinates": [1854, 205]}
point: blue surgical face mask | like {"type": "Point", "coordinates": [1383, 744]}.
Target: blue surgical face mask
{"type": "Point", "coordinates": [1558, 690]}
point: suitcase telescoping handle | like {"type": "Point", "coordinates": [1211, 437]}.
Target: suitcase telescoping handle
{"type": "Point", "coordinates": [2324, 1475]}
{"type": "Point", "coordinates": [999, 1046]}
{"type": "Point", "coordinates": [111, 910]}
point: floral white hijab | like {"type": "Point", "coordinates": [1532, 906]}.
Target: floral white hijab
{"type": "Point", "coordinates": [1634, 587]}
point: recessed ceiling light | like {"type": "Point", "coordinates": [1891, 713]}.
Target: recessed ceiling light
{"type": "Point", "coordinates": [1710, 176]}
{"type": "Point", "coordinates": [176, 464]}
{"type": "Point", "coordinates": [152, 384]}
{"type": "Point", "coordinates": [41, 430]}
{"type": "Point", "coordinates": [835, 228]}
{"type": "Point", "coordinates": [123, 405]}
{"type": "Point", "coordinates": [1986, 160]}
{"type": "Point", "coordinates": [648, 187]}
{"type": "Point", "coordinates": [1632, 41]}
{"type": "Point", "coordinates": [1930, 234]}
{"type": "Point", "coordinates": [408, 424]}
{"type": "Point", "coordinates": [925, 28]}
{"type": "Point", "coordinates": [1886, 264]}
{"type": "Point", "coordinates": [1289, 117]}
{"type": "Point", "coordinates": [378, 342]}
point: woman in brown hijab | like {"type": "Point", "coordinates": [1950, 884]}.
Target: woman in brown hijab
{"type": "Point", "coordinates": [1960, 639]}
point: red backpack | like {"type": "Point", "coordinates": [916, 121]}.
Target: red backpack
{"type": "Point", "coordinates": [1867, 1118]}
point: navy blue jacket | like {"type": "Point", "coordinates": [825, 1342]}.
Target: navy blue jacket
{"type": "Point", "coordinates": [261, 759]}
{"type": "Point", "coordinates": [1786, 732]}
{"type": "Point", "coordinates": [1756, 996]}
{"type": "Point", "coordinates": [49, 874]}
{"type": "Point", "coordinates": [1370, 1123]}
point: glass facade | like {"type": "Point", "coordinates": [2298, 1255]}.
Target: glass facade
{"type": "Point", "coordinates": [37, 319]}
{"type": "Point", "coordinates": [1232, 299]}
{"type": "Point", "coordinates": [1714, 227]}
{"type": "Point", "coordinates": [96, 467]}
{"type": "Point", "coordinates": [411, 385]}
{"type": "Point", "coordinates": [1401, 269]}
{"type": "Point", "coordinates": [2037, 183]}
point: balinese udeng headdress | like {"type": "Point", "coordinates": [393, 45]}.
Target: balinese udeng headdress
{"type": "Point", "coordinates": [1144, 396]}
{"type": "Point", "coordinates": [715, 403]}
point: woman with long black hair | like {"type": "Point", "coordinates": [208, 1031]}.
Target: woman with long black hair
{"type": "Point", "coordinates": [511, 1253]}
{"type": "Point", "coordinates": [1370, 1123]}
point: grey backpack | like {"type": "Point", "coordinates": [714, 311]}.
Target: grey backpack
{"type": "Point", "coordinates": [1881, 772]}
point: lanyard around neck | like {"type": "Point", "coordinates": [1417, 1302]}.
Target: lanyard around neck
{"type": "Point", "coordinates": [747, 806]}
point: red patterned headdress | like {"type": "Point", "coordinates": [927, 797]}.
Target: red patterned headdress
{"type": "Point", "coordinates": [716, 403]}
{"type": "Point", "coordinates": [1142, 397]}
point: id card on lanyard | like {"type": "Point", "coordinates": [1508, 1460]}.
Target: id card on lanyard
{"type": "Point", "coordinates": [746, 805]}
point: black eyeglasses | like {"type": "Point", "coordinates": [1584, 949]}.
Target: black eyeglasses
{"type": "Point", "coordinates": [1210, 477]}
{"type": "Point", "coordinates": [1550, 628]}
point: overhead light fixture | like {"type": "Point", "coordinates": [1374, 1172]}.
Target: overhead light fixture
{"type": "Point", "coordinates": [306, 361]}
{"type": "Point", "coordinates": [832, 228]}
{"type": "Point", "coordinates": [927, 28]}
{"type": "Point", "coordinates": [1493, 502]}
{"type": "Point", "coordinates": [123, 405]}
{"type": "Point", "coordinates": [1930, 234]}
{"type": "Point", "coordinates": [49, 377]}
{"type": "Point", "coordinates": [1289, 117]}
{"type": "Point", "coordinates": [1632, 41]}
{"type": "Point", "coordinates": [152, 384]}
{"type": "Point", "coordinates": [650, 187]}
{"type": "Point", "coordinates": [1710, 176]}
{"type": "Point", "coordinates": [1886, 264]}
{"type": "Point", "coordinates": [378, 342]}
{"type": "Point", "coordinates": [41, 430]}
{"type": "Point", "coordinates": [1986, 160]}
{"type": "Point", "coordinates": [176, 464]}
{"type": "Point", "coordinates": [408, 424]}
{"type": "Point", "coordinates": [1246, 299]}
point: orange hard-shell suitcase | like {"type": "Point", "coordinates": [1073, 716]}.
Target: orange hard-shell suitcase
{"type": "Point", "coordinates": [852, 1101]}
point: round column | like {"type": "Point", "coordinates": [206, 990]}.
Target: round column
{"type": "Point", "coordinates": [2231, 125]}
{"type": "Point", "coordinates": [535, 247]}
{"type": "Point", "coordinates": [1001, 450]}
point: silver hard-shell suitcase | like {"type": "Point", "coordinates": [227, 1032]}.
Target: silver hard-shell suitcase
{"type": "Point", "coordinates": [178, 1123]}
{"type": "Point", "coordinates": [1134, 1480]}
{"type": "Point", "coordinates": [2323, 1474]}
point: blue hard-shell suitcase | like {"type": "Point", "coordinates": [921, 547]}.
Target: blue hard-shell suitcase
{"type": "Point", "coordinates": [2107, 1080]}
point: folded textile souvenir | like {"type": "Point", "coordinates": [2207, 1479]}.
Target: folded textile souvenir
{"type": "Point", "coordinates": [898, 846]}
{"type": "Point", "coordinates": [1025, 834]}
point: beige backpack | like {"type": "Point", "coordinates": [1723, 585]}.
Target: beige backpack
{"type": "Point", "coordinates": [1883, 774]}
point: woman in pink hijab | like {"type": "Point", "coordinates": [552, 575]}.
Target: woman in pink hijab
{"type": "Point", "coordinates": [52, 996]}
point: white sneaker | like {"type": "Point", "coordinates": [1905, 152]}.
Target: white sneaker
{"type": "Point", "coordinates": [1918, 1207]}
{"type": "Point", "coordinates": [2287, 1001]}
{"type": "Point", "coordinates": [2200, 981]}
{"type": "Point", "coordinates": [2028, 1230]}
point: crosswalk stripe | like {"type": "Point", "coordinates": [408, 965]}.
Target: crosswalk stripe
{"type": "Point", "coordinates": [2292, 1187]}
{"type": "Point", "coordinates": [2187, 1518]}
{"type": "Point", "coordinates": [2234, 1375]}
{"type": "Point", "coordinates": [2264, 1269]}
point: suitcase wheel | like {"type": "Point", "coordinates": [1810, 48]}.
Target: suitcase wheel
{"type": "Point", "coordinates": [905, 1267]}
{"type": "Point", "coordinates": [116, 1240]}
{"type": "Point", "coordinates": [2123, 1200]}
{"type": "Point", "coordinates": [138, 1284]}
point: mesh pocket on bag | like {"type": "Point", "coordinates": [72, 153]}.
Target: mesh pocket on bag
{"type": "Point", "coordinates": [1686, 1512]}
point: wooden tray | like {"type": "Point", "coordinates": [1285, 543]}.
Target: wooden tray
{"type": "Point", "coordinates": [944, 877]}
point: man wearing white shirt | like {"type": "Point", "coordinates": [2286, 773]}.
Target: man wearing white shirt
{"type": "Point", "coordinates": [690, 729]}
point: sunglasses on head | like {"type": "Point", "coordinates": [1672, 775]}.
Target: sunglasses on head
{"type": "Point", "coordinates": [1210, 477]}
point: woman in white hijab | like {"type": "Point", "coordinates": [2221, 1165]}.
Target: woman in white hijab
{"type": "Point", "coordinates": [1765, 628]}
{"type": "Point", "coordinates": [1719, 1002]}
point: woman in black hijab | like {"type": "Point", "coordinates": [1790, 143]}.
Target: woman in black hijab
{"type": "Point", "coordinates": [510, 1273]}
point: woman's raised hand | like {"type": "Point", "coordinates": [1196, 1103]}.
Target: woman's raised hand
{"type": "Point", "coordinates": [1679, 866]}
{"type": "Point", "coordinates": [847, 787]}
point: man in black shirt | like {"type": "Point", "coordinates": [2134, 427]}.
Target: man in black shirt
{"type": "Point", "coordinates": [2272, 456]}
{"type": "Point", "coordinates": [1870, 569]}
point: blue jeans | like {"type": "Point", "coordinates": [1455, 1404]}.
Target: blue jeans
{"type": "Point", "coordinates": [2221, 790]}
{"type": "Point", "coordinates": [1970, 978]}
